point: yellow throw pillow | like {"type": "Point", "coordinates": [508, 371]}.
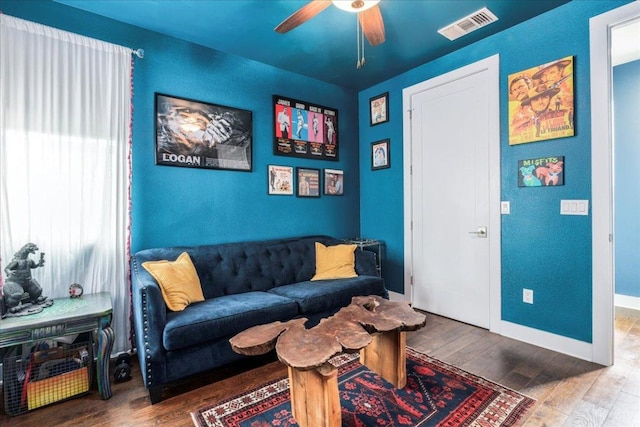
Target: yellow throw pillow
{"type": "Point", "coordinates": [335, 262]}
{"type": "Point", "coordinates": [178, 280]}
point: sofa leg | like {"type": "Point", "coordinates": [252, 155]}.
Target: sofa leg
{"type": "Point", "coordinates": [155, 394]}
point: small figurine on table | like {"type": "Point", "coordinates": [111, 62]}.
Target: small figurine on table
{"type": "Point", "coordinates": [19, 281]}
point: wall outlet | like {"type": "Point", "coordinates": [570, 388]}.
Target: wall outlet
{"type": "Point", "coordinates": [527, 296]}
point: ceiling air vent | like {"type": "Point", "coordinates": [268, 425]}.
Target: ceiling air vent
{"type": "Point", "coordinates": [468, 24]}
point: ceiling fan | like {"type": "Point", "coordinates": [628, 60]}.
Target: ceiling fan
{"type": "Point", "coordinates": [368, 12]}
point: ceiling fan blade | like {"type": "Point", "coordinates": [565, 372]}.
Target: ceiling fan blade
{"type": "Point", "coordinates": [372, 25]}
{"type": "Point", "coordinates": [302, 15]}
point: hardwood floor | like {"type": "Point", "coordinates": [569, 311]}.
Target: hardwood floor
{"type": "Point", "coordinates": [569, 391]}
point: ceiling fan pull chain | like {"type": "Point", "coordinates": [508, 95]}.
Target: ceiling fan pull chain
{"type": "Point", "coordinates": [358, 65]}
{"type": "Point", "coordinates": [362, 41]}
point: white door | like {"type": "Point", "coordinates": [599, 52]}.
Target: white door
{"type": "Point", "coordinates": [452, 230]}
{"type": "Point", "coordinates": [600, 28]}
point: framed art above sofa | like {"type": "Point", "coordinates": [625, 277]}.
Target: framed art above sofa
{"type": "Point", "coordinates": [303, 129]}
{"type": "Point", "coordinates": [197, 134]}
{"type": "Point", "coordinates": [333, 182]}
{"type": "Point", "coordinates": [308, 182]}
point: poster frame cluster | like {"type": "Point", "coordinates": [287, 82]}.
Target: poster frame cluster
{"type": "Point", "coordinates": [280, 181]}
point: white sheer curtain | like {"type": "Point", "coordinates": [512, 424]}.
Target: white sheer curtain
{"type": "Point", "coordinates": [65, 116]}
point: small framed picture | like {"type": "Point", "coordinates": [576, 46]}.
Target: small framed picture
{"type": "Point", "coordinates": [379, 109]}
{"type": "Point", "coordinates": [280, 180]}
{"type": "Point", "coordinates": [333, 182]}
{"type": "Point", "coordinates": [308, 182]}
{"type": "Point", "coordinates": [380, 155]}
{"type": "Point", "coordinates": [541, 171]}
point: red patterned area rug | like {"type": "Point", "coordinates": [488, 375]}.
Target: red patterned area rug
{"type": "Point", "coordinates": [436, 394]}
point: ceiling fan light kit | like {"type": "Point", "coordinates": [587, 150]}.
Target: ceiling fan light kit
{"type": "Point", "coordinates": [355, 5]}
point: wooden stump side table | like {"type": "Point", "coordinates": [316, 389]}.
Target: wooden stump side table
{"type": "Point", "coordinates": [371, 325]}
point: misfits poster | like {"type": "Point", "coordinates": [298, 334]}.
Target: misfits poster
{"type": "Point", "coordinates": [199, 135]}
{"type": "Point", "coordinates": [541, 171]}
{"type": "Point", "coordinates": [541, 103]}
{"type": "Point", "coordinates": [304, 130]}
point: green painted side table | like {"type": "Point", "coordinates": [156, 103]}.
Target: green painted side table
{"type": "Point", "coordinates": [67, 316]}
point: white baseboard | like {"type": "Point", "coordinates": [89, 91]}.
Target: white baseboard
{"type": "Point", "coordinates": [548, 340]}
{"type": "Point", "coordinates": [569, 346]}
{"type": "Point", "coordinates": [627, 301]}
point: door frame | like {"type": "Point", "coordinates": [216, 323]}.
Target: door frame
{"type": "Point", "coordinates": [602, 183]}
{"type": "Point", "coordinates": [492, 66]}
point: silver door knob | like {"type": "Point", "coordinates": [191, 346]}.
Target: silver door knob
{"type": "Point", "coordinates": [482, 232]}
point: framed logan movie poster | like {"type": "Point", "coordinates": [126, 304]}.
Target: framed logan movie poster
{"type": "Point", "coordinates": [197, 134]}
{"type": "Point", "coordinates": [306, 130]}
{"type": "Point", "coordinates": [541, 103]}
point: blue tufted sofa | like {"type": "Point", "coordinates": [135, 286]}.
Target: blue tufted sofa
{"type": "Point", "coordinates": [244, 284]}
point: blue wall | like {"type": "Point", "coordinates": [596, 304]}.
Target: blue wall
{"type": "Point", "coordinates": [626, 104]}
{"type": "Point", "coordinates": [541, 250]}
{"type": "Point", "coordinates": [183, 206]}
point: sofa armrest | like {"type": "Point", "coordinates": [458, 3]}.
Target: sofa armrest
{"type": "Point", "coordinates": [366, 263]}
{"type": "Point", "coordinates": [149, 320]}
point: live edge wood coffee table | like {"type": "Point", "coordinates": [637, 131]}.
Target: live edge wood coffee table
{"type": "Point", "coordinates": [372, 325]}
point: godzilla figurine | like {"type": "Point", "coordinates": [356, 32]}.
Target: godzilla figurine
{"type": "Point", "coordinates": [19, 281]}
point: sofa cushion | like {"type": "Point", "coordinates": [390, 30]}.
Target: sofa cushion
{"type": "Point", "coordinates": [178, 280]}
{"type": "Point", "coordinates": [334, 262]}
{"type": "Point", "coordinates": [314, 297]}
{"type": "Point", "coordinates": [224, 316]}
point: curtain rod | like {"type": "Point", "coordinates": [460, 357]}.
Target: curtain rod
{"type": "Point", "coordinates": [139, 53]}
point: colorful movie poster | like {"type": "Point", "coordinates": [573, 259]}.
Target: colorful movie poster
{"type": "Point", "coordinates": [308, 182]}
{"type": "Point", "coordinates": [304, 130]}
{"type": "Point", "coordinates": [280, 180]}
{"type": "Point", "coordinates": [333, 182]}
{"type": "Point", "coordinates": [541, 103]}
{"type": "Point", "coordinates": [541, 171]}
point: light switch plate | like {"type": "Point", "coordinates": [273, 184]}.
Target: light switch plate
{"type": "Point", "coordinates": [574, 207]}
{"type": "Point", "coordinates": [505, 208]}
